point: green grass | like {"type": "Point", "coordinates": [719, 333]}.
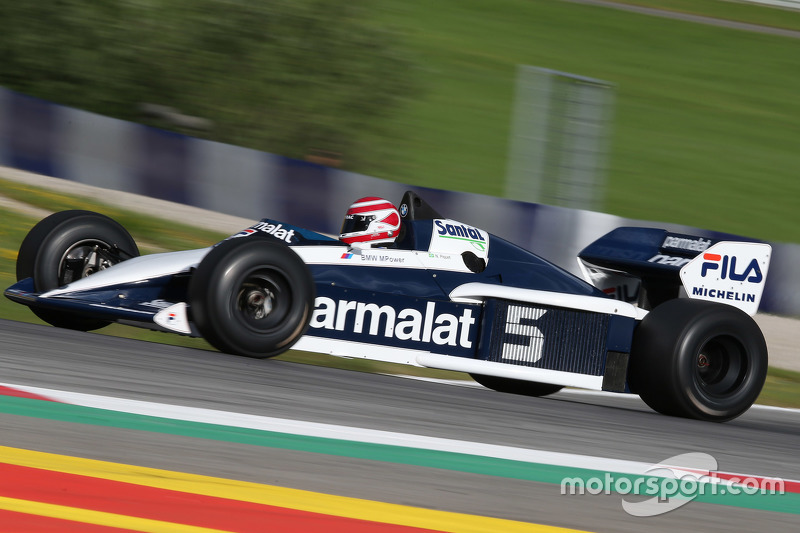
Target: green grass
{"type": "Point", "coordinates": [782, 387]}
{"type": "Point", "coordinates": [704, 132]}
{"type": "Point", "coordinates": [159, 233]}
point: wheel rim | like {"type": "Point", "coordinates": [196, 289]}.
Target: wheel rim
{"type": "Point", "coordinates": [261, 301]}
{"type": "Point", "coordinates": [720, 366]}
{"type": "Point", "coordinates": [83, 259]}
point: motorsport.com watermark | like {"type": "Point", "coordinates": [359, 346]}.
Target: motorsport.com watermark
{"type": "Point", "coordinates": [671, 484]}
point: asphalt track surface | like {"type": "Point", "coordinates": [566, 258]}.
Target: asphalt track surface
{"type": "Point", "coordinates": [763, 441]}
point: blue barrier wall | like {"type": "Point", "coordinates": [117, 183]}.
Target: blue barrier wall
{"type": "Point", "coordinates": [75, 145]}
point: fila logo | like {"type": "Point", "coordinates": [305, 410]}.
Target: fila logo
{"type": "Point", "coordinates": [624, 293]}
{"type": "Point", "coordinates": [726, 265]}
{"type": "Point", "coordinates": [523, 340]}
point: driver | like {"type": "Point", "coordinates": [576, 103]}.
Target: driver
{"type": "Point", "coordinates": [370, 221]}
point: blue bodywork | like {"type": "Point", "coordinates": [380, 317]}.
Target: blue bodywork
{"type": "Point", "coordinates": [508, 264]}
{"type": "Point", "coordinates": [406, 308]}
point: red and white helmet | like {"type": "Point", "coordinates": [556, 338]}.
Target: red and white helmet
{"type": "Point", "coordinates": [370, 220]}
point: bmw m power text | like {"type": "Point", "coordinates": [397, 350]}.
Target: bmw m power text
{"type": "Point", "coordinates": [661, 315]}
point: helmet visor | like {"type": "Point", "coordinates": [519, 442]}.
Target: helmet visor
{"type": "Point", "coordinates": [356, 223]}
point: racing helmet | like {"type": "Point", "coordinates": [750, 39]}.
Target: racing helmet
{"type": "Point", "coordinates": [370, 220]}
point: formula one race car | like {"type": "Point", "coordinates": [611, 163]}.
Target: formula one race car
{"type": "Point", "coordinates": [443, 295]}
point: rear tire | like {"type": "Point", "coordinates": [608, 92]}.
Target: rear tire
{"type": "Point", "coordinates": [252, 297]}
{"type": "Point", "coordinates": [516, 386]}
{"type": "Point", "coordinates": [698, 359]}
{"type": "Point", "coordinates": [68, 246]}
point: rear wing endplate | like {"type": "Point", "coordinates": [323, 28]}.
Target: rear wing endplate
{"type": "Point", "coordinates": [732, 273]}
{"type": "Point", "coordinates": [647, 266]}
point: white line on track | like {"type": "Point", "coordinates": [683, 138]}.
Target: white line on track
{"type": "Point", "coordinates": [345, 433]}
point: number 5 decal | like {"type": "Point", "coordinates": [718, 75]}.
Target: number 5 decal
{"type": "Point", "coordinates": [523, 340]}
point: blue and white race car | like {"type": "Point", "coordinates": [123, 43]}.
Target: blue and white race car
{"type": "Point", "coordinates": [442, 294]}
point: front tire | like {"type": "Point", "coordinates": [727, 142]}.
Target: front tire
{"type": "Point", "coordinates": [516, 386]}
{"type": "Point", "coordinates": [68, 246]}
{"type": "Point", "coordinates": [698, 359]}
{"type": "Point", "coordinates": [252, 296]}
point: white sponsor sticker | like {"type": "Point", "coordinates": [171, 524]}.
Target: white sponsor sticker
{"type": "Point", "coordinates": [732, 273]}
{"type": "Point", "coordinates": [454, 237]}
{"type": "Point", "coordinates": [174, 318]}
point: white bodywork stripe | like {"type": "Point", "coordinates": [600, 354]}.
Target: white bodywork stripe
{"type": "Point", "coordinates": [359, 350]}
{"type": "Point", "coordinates": [135, 270]}
{"type": "Point", "coordinates": [404, 356]}
{"type": "Point", "coordinates": [503, 370]}
{"type": "Point", "coordinates": [380, 257]}
{"type": "Point", "coordinates": [470, 292]}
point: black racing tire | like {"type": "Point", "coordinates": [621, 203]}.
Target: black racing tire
{"type": "Point", "coordinates": [698, 359]}
{"type": "Point", "coordinates": [67, 246]}
{"type": "Point", "coordinates": [516, 386]}
{"type": "Point", "coordinates": [252, 296]}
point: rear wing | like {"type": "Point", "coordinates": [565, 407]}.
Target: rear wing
{"type": "Point", "coordinates": [648, 266]}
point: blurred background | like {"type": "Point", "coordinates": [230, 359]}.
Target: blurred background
{"type": "Point", "coordinates": [703, 129]}
{"type": "Point", "coordinates": [679, 113]}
